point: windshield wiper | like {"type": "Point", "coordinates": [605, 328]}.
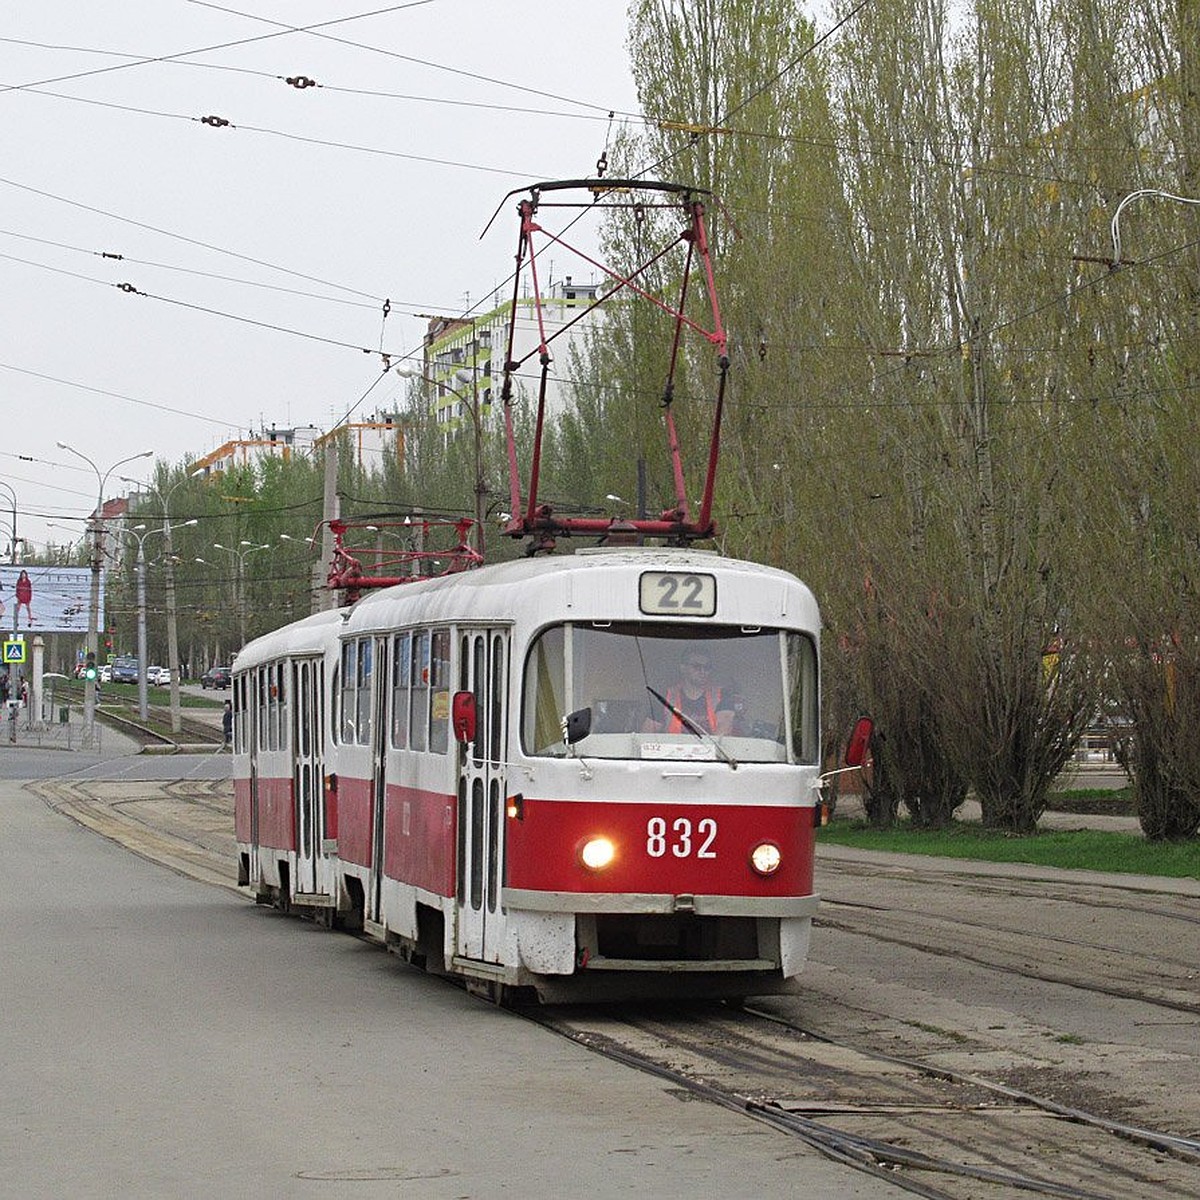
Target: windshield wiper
{"type": "Point", "coordinates": [692, 727]}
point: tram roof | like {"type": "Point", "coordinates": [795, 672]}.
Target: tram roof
{"type": "Point", "coordinates": [309, 635]}
{"type": "Point", "coordinates": [555, 585]}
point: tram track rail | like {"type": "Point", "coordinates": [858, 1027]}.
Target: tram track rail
{"type": "Point", "coordinates": [940, 1134]}
{"type": "Point", "coordinates": [988, 925]}
{"type": "Point", "coordinates": [192, 732]}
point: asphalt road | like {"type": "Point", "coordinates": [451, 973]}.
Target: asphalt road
{"type": "Point", "coordinates": [166, 1038]}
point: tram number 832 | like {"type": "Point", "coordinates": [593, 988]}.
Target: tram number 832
{"type": "Point", "coordinates": [681, 840]}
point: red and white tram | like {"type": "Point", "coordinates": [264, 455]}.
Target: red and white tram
{"type": "Point", "coordinates": [495, 772]}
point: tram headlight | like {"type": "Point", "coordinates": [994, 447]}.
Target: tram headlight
{"type": "Point", "coordinates": [596, 853]}
{"type": "Point", "coordinates": [765, 858]}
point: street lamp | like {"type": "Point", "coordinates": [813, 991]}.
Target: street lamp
{"type": "Point", "coordinates": [472, 406]}
{"type": "Point", "coordinates": [89, 687]}
{"type": "Point", "coordinates": [240, 580]}
{"type": "Point", "coordinates": [140, 538]}
{"type": "Point", "coordinates": [12, 557]}
{"type": "Point", "coordinates": [172, 619]}
{"type": "Point", "coordinates": [1140, 194]}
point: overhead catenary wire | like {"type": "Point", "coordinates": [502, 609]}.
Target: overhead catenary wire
{"type": "Point", "coordinates": [180, 237]}
{"type": "Point", "coordinates": [315, 31]}
{"type": "Point", "coordinates": [162, 58]}
{"type": "Point", "coordinates": [117, 256]}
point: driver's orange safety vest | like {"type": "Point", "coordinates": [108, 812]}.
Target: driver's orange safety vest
{"type": "Point", "coordinates": [712, 697]}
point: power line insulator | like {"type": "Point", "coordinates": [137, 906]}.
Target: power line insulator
{"type": "Point", "coordinates": [300, 81]}
{"type": "Point", "coordinates": [215, 122]}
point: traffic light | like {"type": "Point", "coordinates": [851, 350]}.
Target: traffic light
{"type": "Point", "coordinates": [89, 668]}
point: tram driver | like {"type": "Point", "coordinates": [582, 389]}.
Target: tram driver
{"type": "Point", "coordinates": [697, 697]}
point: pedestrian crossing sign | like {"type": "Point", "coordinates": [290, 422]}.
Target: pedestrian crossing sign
{"type": "Point", "coordinates": [14, 650]}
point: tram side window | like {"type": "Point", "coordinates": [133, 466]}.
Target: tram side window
{"type": "Point", "coordinates": [439, 691]}
{"type": "Point", "coordinates": [349, 693]}
{"type": "Point", "coordinates": [495, 718]}
{"type": "Point", "coordinates": [803, 697]}
{"type": "Point", "coordinates": [303, 712]}
{"type": "Point", "coordinates": [279, 706]}
{"type": "Point", "coordinates": [261, 706]}
{"type": "Point", "coordinates": [273, 706]}
{"type": "Point", "coordinates": [335, 702]}
{"type": "Point", "coordinates": [239, 714]}
{"type": "Point", "coordinates": [401, 671]}
{"type": "Point", "coordinates": [418, 715]}
{"type": "Point", "coordinates": [366, 666]}
{"type": "Point", "coordinates": [545, 698]}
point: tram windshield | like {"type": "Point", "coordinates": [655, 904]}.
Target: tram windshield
{"type": "Point", "coordinates": [670, 692]}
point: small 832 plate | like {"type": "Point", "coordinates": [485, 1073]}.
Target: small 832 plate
{"type": "Point", "coordinates": [677, 594]}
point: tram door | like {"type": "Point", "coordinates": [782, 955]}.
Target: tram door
{"type": "Point", "coordinates": [483, 670]}
{"type": "Point", "coordinates": [308, 741]}
{"type": "Point", "coordinates": [372, 677]}
{"type": "Point", "coordinates": [247, 698]}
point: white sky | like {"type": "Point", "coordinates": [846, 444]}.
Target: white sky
{"type": "Point", "coordinates": [87, 170]}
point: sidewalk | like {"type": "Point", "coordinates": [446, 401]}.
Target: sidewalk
{"type": "Point", "coordinates": [63, 735]}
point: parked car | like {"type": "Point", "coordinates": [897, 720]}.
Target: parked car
{"type": "Point", "coordinates": [158, 676]}
{"type": "Point", "coordinates": [216, 677]}
{"type": "Point", "coordinates": [125, 669]}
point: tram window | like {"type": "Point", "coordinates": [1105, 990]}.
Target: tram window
{"type": "Point", "coordinates": [477, 816]}
{"type": "Point", "coordinates": [260, 685]}
{"type": "Point", "coordinates": [462, 841]}
{"type": "Point", "coordinates": [439, 687]}
{"type": "Point", "coordinates": [322, 707]}
{"type": "Point", "coordinates": [545, 700]}
{"type": "Point", "coordinates": [349, 694]}
{"type": "Point", "coordinates": [802, 697]}
{"type": "Point", "coordinates": [335, 695]}
{"type": "Point", "coordinates": [269, 739]}
{"type": "Point", "coordinates": [304, 712]}
{"type": "Point", "coordinates": [273, 673]}
{"type": "Point", "coordinates": [282, 701]}
{"type": "Point", "coordinates": [479, 658]}
{"type": "Point", "coordinates": [401, 670]}
{"type": "Point", "coordinates": [496, 730]}
{"type": "Point", "coordinates": [493, 857]}
{"type": "Point", "coordinates": [418, 715]}
{"type": "Point", "coordinates": [365, 668]}
{"type": "Point", "coordinates": [729, 681]}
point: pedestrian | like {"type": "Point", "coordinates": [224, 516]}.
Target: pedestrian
{"type": "Point", "coordinates": [227, 722]}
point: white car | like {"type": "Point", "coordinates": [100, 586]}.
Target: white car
{"type": "Point", "coordinates": [158, 676]}
{"type": "Point", "coordinates": [106, 673]}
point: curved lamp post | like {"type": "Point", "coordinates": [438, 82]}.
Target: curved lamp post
{"type": "Point", "coordinates": [89, 687]}
{"type": "Point", "coordinates": [12, 556]}
{"type": "Point", "coordinates": [140, 538]}
{"type": "Point", "coordinates": [240, 580]}
{"type": "Point", "coordinates": [172, 617]}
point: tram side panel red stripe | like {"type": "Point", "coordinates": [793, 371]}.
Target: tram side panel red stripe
{"type": "Point", "coordinates": [419, 839]}
{"type": "Point", "coordinates": [674, 856]}
{"type": "Point", "coordinates": [241, 810]}
{"type": "Point", "coordinates": [276, 814]}
{"type": "Point", "coordinates": [354, 820]}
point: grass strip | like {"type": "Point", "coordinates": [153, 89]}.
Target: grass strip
{"type": "Point", "coordinates": [1078, 849]}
